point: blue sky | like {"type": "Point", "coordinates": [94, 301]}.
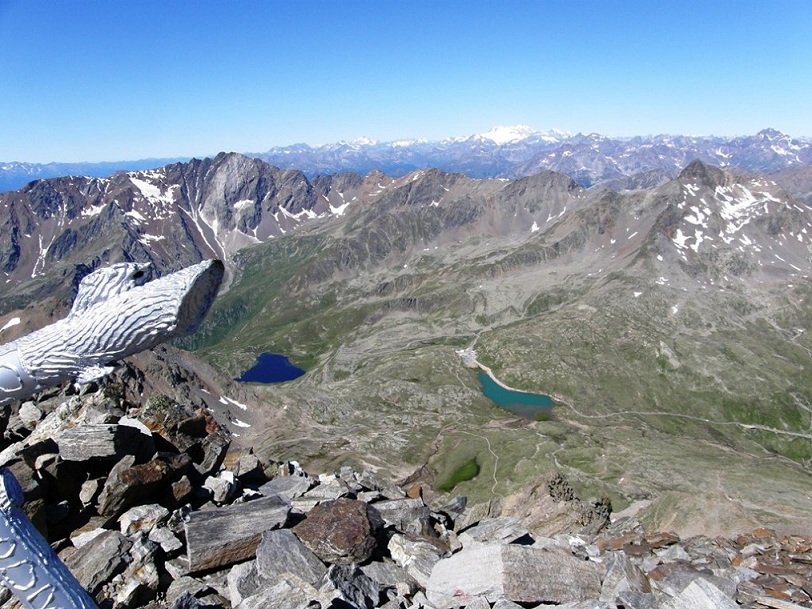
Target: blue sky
{"type": "Point", "coordinates": [88, 80]}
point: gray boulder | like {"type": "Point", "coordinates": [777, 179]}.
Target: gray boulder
{"type": "Point", "coordinates": [521, 574]}
{"type": "Point", "coordinates": [416, 556]}
{"type": "Point", "coordinates": [280, 552]}
{"type": "Point", "coordinates": [142, 518]}
{"type": "Point", "coordinates": [505, 529]}
{"type": "Point", "coordinates": [289, 593]}
{"type": "Point", "coordinates": [98, 561]}
{"type": "Point", "coordinates": [351, 585]}
{"type": "Point", "coordinates": [88, 442]}
{"type": "Point", "coordinates": [243, 581]}
{"type": "Point", "coordinates": [287, 486]}
{"type": "Point", "coordinates": [406, 515]}
{"type": "Point", "coordinates": [622, 576]}
{"type": "Point", "coordinates": [230, 534]}
{"type": "Point", "coordinates": [700, 594]}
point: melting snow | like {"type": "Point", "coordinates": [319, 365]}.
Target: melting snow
{"type": "Point", "coordinates": [534, 228]}
{"type": "Point", "coordinates": [680, 239]}
{"type": "Point", "coordinates": [227, 401]}
{"type": "Point", "coordinates": [338, 211]}
{"type": "Point", "coordinates": [135, 216]}
{"type": "Point", "coordinates": [10, 323]}
{"type": "Point", "coordinates": [637, 294]}
{"type": "Point", "coordinates": [151, 192]}
{"type": "Point", "coordinates": [92, 211]}
{"type": "Point", "coordinates": [238, 423]}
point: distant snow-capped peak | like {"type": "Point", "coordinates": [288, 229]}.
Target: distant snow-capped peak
{"type": "Point", "coordinates": [363, 141]}
{"type": "Point", "coordinates": [501, 134]}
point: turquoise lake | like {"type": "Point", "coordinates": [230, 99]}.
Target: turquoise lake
{"type": "Point", "coordinates": [526, 405]}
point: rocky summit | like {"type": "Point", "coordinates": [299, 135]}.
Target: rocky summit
{"type": "Point", "coordinates": [151, 506]}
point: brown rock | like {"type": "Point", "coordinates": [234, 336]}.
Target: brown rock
{"type": "Point", "coordinates": [415, 491]}
{"type": "Point", "coordinates": [341, 532]}
{"type": "Point", "coordinates": [128, 484]}
{"type": "Point", "coordinates": [618, 542]}
{"type": "Point", "coordinates": [660, 539]}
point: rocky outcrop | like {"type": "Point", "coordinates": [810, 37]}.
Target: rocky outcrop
{"type": "Point", "coordinates": [168, 525]}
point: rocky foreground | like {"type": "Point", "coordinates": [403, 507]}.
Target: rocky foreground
{"type": "Point", "coordinates": [148, 507]}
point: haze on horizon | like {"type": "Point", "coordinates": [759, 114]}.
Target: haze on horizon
{"type": "Point", "coordinates": [101, 81]}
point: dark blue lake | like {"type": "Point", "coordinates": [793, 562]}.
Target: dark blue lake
{"type": "Point", "coordinates": [527, 405]}
{"type": "Point", "coordinates": [271, 368]}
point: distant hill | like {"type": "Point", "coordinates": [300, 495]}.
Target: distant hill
{"type": "Point", "coordinates": [14, 174]}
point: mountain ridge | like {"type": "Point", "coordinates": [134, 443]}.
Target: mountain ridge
{"type": "Point", "coordinates": [503, 151]}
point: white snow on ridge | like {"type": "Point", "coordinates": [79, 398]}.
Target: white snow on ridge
{"type": "Point", "coordinates": [339, 211]}
{"type": "Point", "coordinates": [135, 216]}
{"type": "Point", "coordinates": [503, 135]}
{"type": "Point", "coordinates": [92, 211]}
{"type": "Point", "coordinates": [11, 323]}
{"type": "Point", "coordinates": [535, 227]}
{"type": "Point", "coordinates": [680, 239]}
{"type": "Point", "coordinates": [147, 239]}
{"type": "Point", "coordinates": [227, 401]}
{"type": "Point", "coordinates": [151, 192]}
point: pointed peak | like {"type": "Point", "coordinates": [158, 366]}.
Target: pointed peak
{"type": "Point", "coordinates": [702, 173]}
{"type": "Point", "coordinates": [770, 134]}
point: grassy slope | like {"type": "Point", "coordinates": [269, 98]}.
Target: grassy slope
{"type": "Point", "coordinates": [386, 389]}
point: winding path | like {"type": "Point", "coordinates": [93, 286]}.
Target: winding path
{"type": "Point", "coordinates": [469, 359]}
{"type": "Point", "coordinates": [490, 450]}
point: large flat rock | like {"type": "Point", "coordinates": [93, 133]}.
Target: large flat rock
{"type": "Point", "coordinates": [522, 574]}
{"type": "Point", "coordinates": [231, 534]}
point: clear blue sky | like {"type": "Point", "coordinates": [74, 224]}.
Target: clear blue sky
{"type": "Point", "coordinates": [92, 80]}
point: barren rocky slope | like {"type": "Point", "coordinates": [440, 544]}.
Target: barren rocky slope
{"type": "Point", "coordinates": [150, 504]}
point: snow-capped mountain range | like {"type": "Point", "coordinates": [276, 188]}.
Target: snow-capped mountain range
{"type": "Point", "coordinates": [518, 151]}
{"type": "Point", "coordinates": [503, 151]}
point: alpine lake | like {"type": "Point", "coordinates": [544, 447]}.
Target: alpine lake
{"type": "Point", "coordinates": [271, 368]}
{"type": "Point", "coordinates": [534, 406]}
